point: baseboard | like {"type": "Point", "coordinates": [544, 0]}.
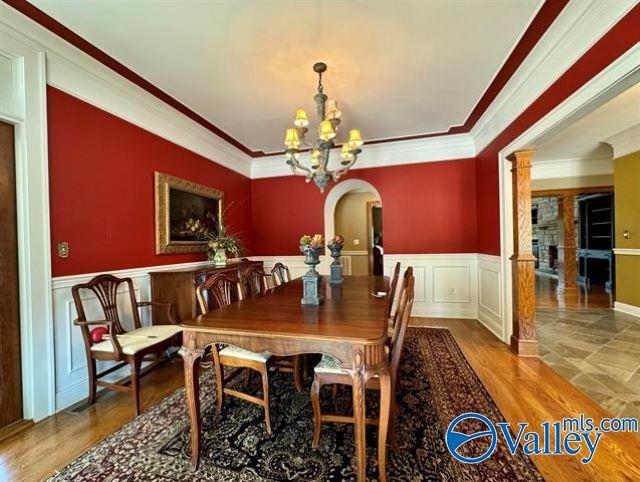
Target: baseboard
{"type": "Point", "coordinates": [628, 309]}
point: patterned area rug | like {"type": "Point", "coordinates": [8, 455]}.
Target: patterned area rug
{"type": "Point", "coordinates": [437, 384]}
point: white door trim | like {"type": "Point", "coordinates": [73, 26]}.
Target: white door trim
{"type": "Point", "coordinates": [32, 192]}
{"type": "Point", "coordinates": [617, 77]}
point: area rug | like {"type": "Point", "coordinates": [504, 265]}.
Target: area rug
{"type": "Point", "coordinates": [437, 384]}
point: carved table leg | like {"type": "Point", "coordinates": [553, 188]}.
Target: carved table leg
{"type": "Point", "coordinates": [191, 356]}
{"type": "Point", "coordinates": [359, 381]}
{"type": "Point", "coordinates": [385, 411]}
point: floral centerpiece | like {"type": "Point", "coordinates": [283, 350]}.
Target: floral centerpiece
{"type": "Point", "coordinates": [335, 247]}
{"type": "Point", "coordinates": [311, 247]}
{"type": "Point", "coordinates": [221, 242]}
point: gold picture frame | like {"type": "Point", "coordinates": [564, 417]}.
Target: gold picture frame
{"type": "Point", "coordinates": [181, 207]}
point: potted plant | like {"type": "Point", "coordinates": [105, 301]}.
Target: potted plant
{"type": "Point", "coordinates": [335, 247]}
{"type": "Point", "coordinates": [221, 242]}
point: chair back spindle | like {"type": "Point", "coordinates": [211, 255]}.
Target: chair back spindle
{"type": "Point", "coordinates": [280, 274]}
{"type": "Point", "coordinates": [393, 287]}
{"type": "Point", "coordinates": [253, 281]}
{"type": "Point", "coordinates": [403, 313]}
{"type": "Point", "coordinates": [105, 288]}
{"type": "Point", "coordinates": [219, 288]}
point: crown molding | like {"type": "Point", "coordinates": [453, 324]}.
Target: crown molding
{"type": "Point", "coordinates": [625, 142]}
{"type": "Point", "coordinates": [431, 149]}
{"type": "Point", "coordinates": [78, 74]}
{"type": "Point", "coordinates": [562, 168]}
{"type": "Point", "coordinates": [578, 27]}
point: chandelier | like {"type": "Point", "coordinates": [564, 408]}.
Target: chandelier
{"type": "Point", "coordinates": [319, 150]}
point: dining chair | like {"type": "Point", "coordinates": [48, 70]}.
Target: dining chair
{"type": "Point", "coordinates": [253, 280]}
{"type": "Point", "coordinates": [221, 288]}
{"type": "Point", "coordinates": [328, 371]}
{"type": "Point", "coordinates": [392, 288]}
{"type": "Point", "coordinates": [132, 347]}
{"type": "Point", "coordinates": [280, 274]}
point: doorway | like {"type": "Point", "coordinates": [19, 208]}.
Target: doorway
{"type": "Point", "coordinates": [375, 246]}
{"type": "Point", "coordinates": [10, 362]}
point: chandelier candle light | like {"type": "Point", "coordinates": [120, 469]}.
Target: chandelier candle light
{"type": "Point", "coordinates": [329, 117]}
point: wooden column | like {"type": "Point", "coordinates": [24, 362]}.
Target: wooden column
{"type": "Point", "coordinates": [523, 340]}
{"type": "Point", "coordinates": [567, 268]}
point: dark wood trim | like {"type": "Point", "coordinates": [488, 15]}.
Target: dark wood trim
{"type": "Point", "coordinates": [572, 192]}
{"type": "Point", "coordinates": [370, 205]}
{"type": "Point", "coordinates": [523, 340]}
{"type": "Point", "coordinates": [543, 19]}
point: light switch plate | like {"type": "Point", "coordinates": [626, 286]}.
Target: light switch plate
{"type": "Point", "coordinates": [356, 242]}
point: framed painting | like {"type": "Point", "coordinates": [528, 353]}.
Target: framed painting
{"type": "Point", "coordinates": [186, 212]}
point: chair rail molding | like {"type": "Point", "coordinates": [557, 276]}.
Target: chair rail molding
{"type": "Point", "coordinates": [25, 108]}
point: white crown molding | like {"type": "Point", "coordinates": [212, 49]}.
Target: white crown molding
{"type": "Point", "coordinates": [626, 251]}
{"type": "Point", "coordinates": [627, 141]}
{"type": "Point", "coordinates": [72, 71]}
{"type": "Point", "coordinates": [430, 149]}
{"type": "Point", "coordinates": [578, 27]}
{"type": "Point", "coordinates": [563, 168]}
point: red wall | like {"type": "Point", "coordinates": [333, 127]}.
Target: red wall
{"type": "Point", "coordinates": [624, 35]}
{"type": "Point", "coordinates": [427, 208]}
{"type": "Point", "coordinates": [102, 189]}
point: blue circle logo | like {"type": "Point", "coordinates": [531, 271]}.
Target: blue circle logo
{"type": "Point", "coordinates": [455, 440]}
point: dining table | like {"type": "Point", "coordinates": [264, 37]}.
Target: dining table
{"type": "Point", "coordinates": [350, 324]}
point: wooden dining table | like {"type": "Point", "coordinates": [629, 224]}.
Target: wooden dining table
{"type": "Point", "coordinates": [350, 324]}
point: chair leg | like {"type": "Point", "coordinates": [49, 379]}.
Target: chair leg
{"type": "Point", "coordinates": [334, 395]}
{"type": "Point", "coordinates": [217, 366]}
{"type": "Point", "coordinates": [135, 383]}
{"type": "Point", "coordinates": [265, 396]}
{"type": "Point", "coordinates": [246, 377]}
{"type": "Point", "coordinates": [393, 416]}
{"type": "Point", "coordinates": [92, 381]}
{"type": "Point", "coordinates": [296, 373]}
{"type": "Point", "coordinates": [317, 415]}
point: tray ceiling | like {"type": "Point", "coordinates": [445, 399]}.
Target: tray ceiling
{"type": "Point", "coordinates": [397, 68]}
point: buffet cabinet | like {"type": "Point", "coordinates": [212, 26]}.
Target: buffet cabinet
{"type": "Point", "coordinates": [179, 288]}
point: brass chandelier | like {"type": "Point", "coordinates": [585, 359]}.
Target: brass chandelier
{"type": "Point", "coordinates": [319, 151]}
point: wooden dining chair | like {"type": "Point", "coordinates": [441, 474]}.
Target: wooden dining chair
{"type": "Point", "coordinates": [392, 289]}
{"type": "Point", "coordinates": [142, 343]}
{"type": "Point", "coordinates": [328, 371]}
{"type": "Point", "coordinates": [253, 280]}
{"type": "Point", "coordinates": [280, 274]}
{"type": "Point", "coordinates": [221, 288]}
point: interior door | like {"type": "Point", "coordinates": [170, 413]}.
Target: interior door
{"type": "Point", "coordinates": [10, 370]}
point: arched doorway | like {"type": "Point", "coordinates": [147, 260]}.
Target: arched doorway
{"type": "Point", "coordinates": [353, 208]}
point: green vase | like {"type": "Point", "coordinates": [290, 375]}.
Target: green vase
{"type": "Point", "coordinates": [220, 258]}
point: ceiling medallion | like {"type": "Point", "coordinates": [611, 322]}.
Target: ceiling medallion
{"type": "Point", "coordinates": [319, 151]}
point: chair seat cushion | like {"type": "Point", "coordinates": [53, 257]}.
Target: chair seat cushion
{"type": "Point", "coordinates": [136, 340]}
{"type": "Point", "coordinates": [328, 364]}
{"type": "Point", "coordinates": [235, 352]}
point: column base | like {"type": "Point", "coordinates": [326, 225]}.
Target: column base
{"type": "Point", "coordinates": [528, 348]}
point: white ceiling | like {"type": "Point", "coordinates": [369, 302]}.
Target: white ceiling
{"type": "Point", "coordinates": [397, 68]}
{"type": "Point", "coordinates": [585, 138]}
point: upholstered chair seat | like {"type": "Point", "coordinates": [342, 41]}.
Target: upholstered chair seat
{"type": "Point", "coordinates": [137, 340]}
{"type": "Point", "coordinates": [235, 352]}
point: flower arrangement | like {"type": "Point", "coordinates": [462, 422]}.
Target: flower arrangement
{"type": "Point", "coordinates": [315, 241]}
{"type": "Point", "coordinates": [222, 241]}
{"type": "Point", "coordinates": [337, 240]}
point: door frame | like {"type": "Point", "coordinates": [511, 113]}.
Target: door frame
{"type": "Point", "coordinates": [370, 206]}
{"type": "Point", "coordinates": [613, 80]}
{"type": "Point", "coordinates": [27, 112]}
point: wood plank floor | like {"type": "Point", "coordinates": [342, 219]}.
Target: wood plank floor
{"type": "Point", "coordinates": [524, 390]}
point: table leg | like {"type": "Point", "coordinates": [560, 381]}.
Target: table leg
{"type": "Point", "coordinates": [383, 427]}
{"type": "Point", "coordinates": [191, 357]}
{"type": "Point", "coordinates": [359, 414]}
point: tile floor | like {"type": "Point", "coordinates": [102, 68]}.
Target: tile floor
{"type": "Point", "coordinates": [598, 350]}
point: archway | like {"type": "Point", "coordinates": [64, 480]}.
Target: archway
{"type": "Point", "coordinates": [331, 205]}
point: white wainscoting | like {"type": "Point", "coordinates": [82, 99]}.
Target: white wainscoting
{"type": "Point", "coordinates": [446, 284]}
{"type": "Point", "coordinates": [70, 361]}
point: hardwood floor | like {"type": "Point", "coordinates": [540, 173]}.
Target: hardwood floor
{"type": "Point", "coordinates": [524, 390]}
{"type": "Point", "coordinates": [547, 295]}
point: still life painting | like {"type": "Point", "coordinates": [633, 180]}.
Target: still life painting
{"type": "Point", "coordinates": [187, 214]}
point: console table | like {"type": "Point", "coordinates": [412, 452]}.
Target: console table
{"type": "Point", "coordinates": [179, 288]}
